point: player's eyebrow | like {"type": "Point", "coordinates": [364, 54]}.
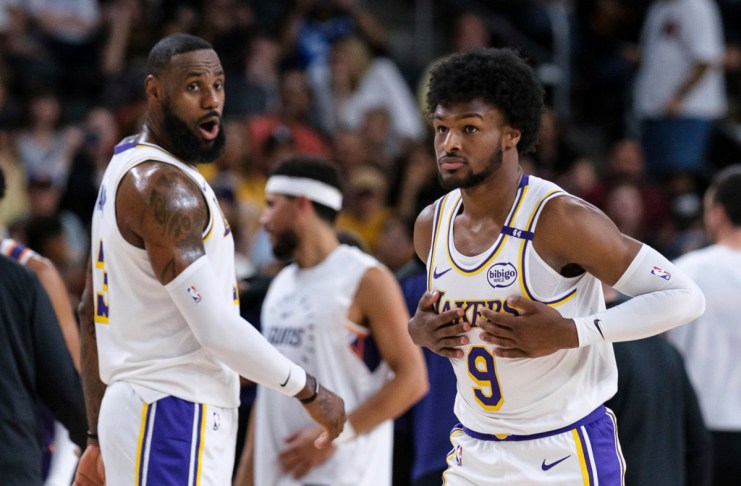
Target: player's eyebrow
{"type": "Point", "coordinates": [462, 116]}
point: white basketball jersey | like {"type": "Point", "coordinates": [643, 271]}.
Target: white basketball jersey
{"type": "Point", "coordinates": [305, 316]}
{"type": "Point", "coordinates": [142, 337]}
{"type": "Point", "coordinates": [517, 396]}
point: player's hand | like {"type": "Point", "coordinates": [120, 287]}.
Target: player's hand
{"type": "Point", "coordinates": [438, 332]}
{"type": "Point", "coordinates": [539, 330]}
{"type": "Point", "coordinates": [300, 454]}
{"type": "Point", "coordinates": [328, 410]}
{"type": "Point", "coordinates": [90, 470]}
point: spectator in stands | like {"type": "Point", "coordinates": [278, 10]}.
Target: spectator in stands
{"type": "Point", "coordinates": [294, 113]}
{"type": "Point", "coordinates": [679, 91]}
{"type": "Point", "coordinates": [365, 211]}
{"type": "Point", "coordinates": [359, 82]}
{"type": "Point", "coordinates": [44, 146]}
{"type": "Point", "coordinates": [626, 164]}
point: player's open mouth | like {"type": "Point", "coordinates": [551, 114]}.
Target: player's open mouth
{"type": "Point", "coordinates": [210, 128]}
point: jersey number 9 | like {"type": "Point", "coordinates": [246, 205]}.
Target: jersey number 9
{"type": "Point", "coordinates": [483, 372]}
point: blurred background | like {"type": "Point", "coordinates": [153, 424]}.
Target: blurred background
{"type": "Point", "coordinates": [643, 108]}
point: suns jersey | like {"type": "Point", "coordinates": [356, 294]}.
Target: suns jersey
{"type": "Point", "coordinates": [517, 396]}
{"type": "Point", "coordinates": [142, 337]}
{"type": "Point", "coordinates": [305, 316]}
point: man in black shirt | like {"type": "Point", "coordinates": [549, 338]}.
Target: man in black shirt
{"type": "Point", "coordinates": [34, 365]}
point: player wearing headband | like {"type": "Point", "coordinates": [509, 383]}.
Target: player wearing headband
{"type": "Point", "coordinates": [341, 314]}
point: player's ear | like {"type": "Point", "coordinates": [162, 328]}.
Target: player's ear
{"type": "Point", "coordinates": [153, 88]}
{"type": "Point", "coordinates": [303, 203]}
{"type": "Point", "coordinates": [511, 137]}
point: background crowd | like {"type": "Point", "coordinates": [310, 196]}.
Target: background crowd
{"type": "Point", "coordinates": [345, 80]}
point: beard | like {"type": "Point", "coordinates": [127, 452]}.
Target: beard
{"type": "Point", "coordinates": [285, 244]}
{"type": "Point", "coordinates": [474, 178]}
{"type": "Point", "coordinates": [189, 146]}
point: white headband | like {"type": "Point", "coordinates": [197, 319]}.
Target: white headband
{"type": "Point", "coordinates": [312, 189]}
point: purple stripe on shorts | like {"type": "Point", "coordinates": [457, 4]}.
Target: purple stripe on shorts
{"type": "Point", "coordinates": [171, 443]}
{"type": "Point", "coordinates": [605, 452]}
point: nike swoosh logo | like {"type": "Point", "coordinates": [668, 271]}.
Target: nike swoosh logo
{"type": "Point", "coordinates": [436, 275]}
{"type": "Point", "coordinates": [288, 378]}
{"type": "Point", "coordinates": [599, 328]}
{"type": "Point", "coordinates": [546, 467]}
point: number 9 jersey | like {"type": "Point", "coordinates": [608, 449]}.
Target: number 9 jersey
{"type": "Point", "coordinates": [521, 396]}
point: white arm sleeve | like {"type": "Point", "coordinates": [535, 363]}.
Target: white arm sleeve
{"type": "Point", "coordinates": [663, 297]}
{"type": "Point", "coordinates": [228, 336]}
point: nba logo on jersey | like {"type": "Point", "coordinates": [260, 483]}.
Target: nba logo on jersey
{"type": "Point", "coordinates": [194, 294]}
{"type": "Point", "coordinates": [661, 273]}
{"type": "Point", "coordinates": [459, 454]}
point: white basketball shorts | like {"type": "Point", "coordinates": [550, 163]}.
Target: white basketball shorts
{"type": "Point", "coordinates": [585, 453]}
{"type": "Point", "coordinates": [170, 442]}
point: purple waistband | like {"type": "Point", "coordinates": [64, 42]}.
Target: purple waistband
{"type": "Point", "coordinates": [599, 412]}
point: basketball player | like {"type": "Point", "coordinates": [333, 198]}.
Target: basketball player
{"type": "Point", "coordinates": [341, 314]}
{"type": "Point", "coordinates": [163, 296]}
{"type": "Point", "coordinates": [515, 300]}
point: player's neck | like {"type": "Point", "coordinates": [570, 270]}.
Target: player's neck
{"type": "Point", "coordinates": [493, 197]}
{"type": "Point", "coordinates": [730, 238]}
{"type": "Point", "coordinates": [154, 134]}
{"type": "Point", "coordinates": [315, 246]}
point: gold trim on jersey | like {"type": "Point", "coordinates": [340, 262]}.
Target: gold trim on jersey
{"type": "Point", "coordinates": [569, 294]}
{"type": "Point", "coordinates": [435, 233]}
{"type": "Point", "coordinates": [498, 245]}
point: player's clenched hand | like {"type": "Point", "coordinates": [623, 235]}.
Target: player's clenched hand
{"type": "Point", "coordinates": [539, 330]}
{"type": "Point", "coordinates": [90, 470]}
{"type": "Point", "coordinates": [328, 410]}
{"type": "Point", "coordinates": [300, 455]}
{"type": "Point", "coordinates": [438, 332]}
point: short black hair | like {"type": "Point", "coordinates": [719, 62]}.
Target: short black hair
{"type": "Point", "coordinates": [726, 184]}
{"type": "Point", "coordinates": [313, 168]}
{"type": "Point", "coordinates": [499, 77]}
{"type": "Point", "coordinates": [172, 45]}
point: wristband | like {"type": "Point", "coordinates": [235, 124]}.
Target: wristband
{"type": "Point", "coordinates": [348, 434]}
{"type": "Point", "coordinates": [313, 396]}
{"type": "Point", "coordinates": [92, 435]}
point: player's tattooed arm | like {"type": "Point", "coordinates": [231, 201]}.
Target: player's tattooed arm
{"type": "Point", "coordinates": [162, 210]}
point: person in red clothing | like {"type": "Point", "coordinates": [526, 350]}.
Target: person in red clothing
{"type": "Point", "coordinates": [293, 117]}
{"type": "Point", "coordinates": [625, 164]}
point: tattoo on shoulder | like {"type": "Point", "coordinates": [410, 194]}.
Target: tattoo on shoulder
{"type": "Point", "coordinates": [178, 217]}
